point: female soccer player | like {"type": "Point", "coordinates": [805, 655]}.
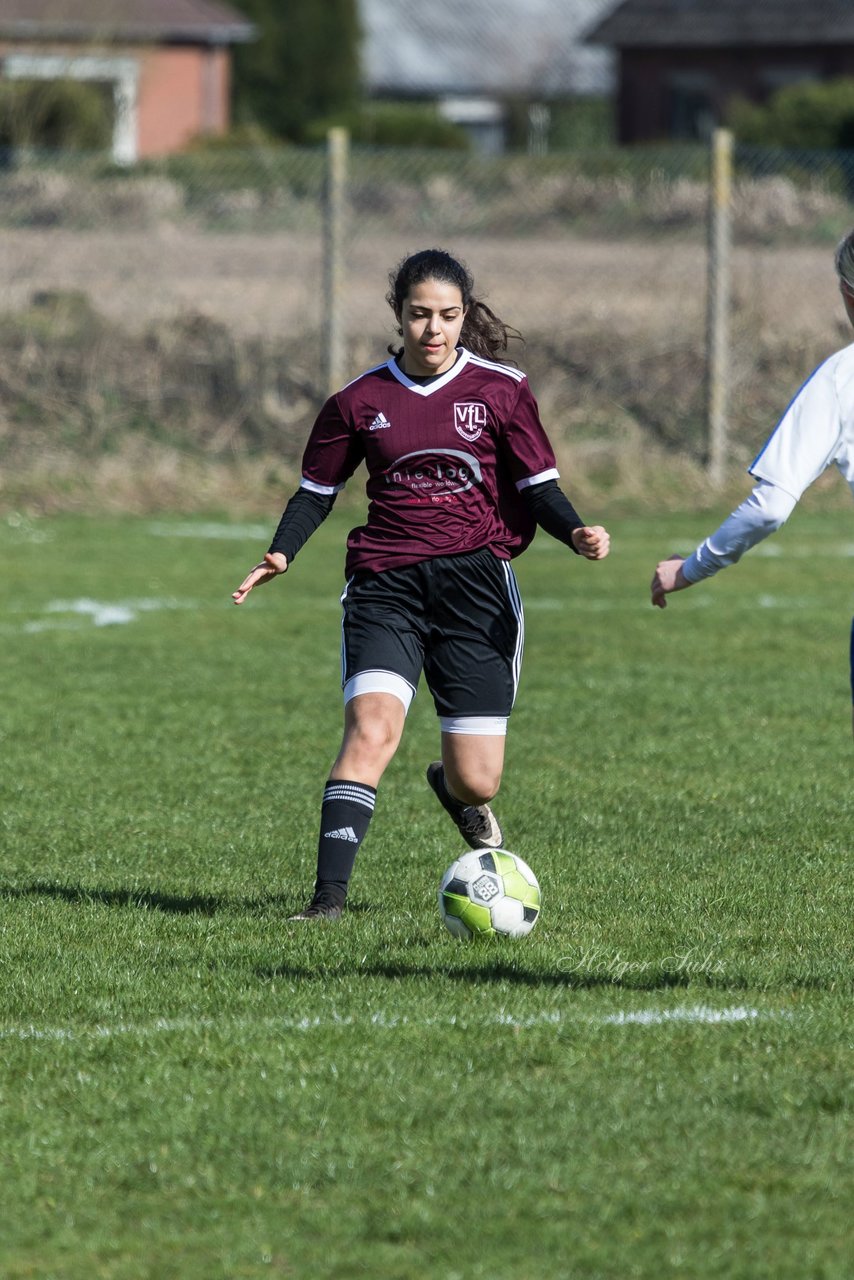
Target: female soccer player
{"type": "Point", "coordinates": [816, 430]}
{"type": "Point", "coordinates": [460, 473]}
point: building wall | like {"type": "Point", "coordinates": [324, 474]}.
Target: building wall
{"type": "Point", "coordinates": [166, 95]}
{"type": "Point", "coordinates": [660, 87]}
{"type": "Point", "coordinates": [183, 92]}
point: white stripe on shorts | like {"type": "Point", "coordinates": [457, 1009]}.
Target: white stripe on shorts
{"type": "Point", "coordinates": [379, 682]}
{"type": "Point", "coordinates": [516, 606]}
{"type": "Point", "coordinates": [488, 726]}
{"type": "Point", "coordinates": [343, 633]}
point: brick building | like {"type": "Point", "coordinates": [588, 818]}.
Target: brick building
{"type": "Point", "coordinates": [167, 62]}
{"type": "Point", "coordinates": [679, 62]}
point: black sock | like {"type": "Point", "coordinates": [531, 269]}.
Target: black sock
{"type": "Point", "coordinates": [344, 820]}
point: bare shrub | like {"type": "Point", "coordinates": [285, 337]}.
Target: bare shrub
{"type": "Point", "coordinates": [763, 205]}
{"type": "Point", "coordinates": [670, 203]}
{"type": "Point", "coordinates": [72, 379]}
{"type": "Point", "coordinates": [47, 198]}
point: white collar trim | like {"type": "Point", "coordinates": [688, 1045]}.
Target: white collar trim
{"type": "Point", "coordinates": [427, 389]}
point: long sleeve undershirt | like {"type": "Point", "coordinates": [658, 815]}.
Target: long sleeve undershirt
{"type": "Point", "coordinates": [762, 513]}
{"type": "Point", "coordinates": [553, 511]}
{"type": "Point", "coordinates": [304, 513]}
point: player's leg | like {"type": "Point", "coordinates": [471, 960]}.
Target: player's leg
{"type": "Point", "coordinates": [373, 727]}
{"type": "Point", "coordinates": [473, 761]}
{"type": "Point", "coordinates": [466, 779]}
{"type": "Point", "coordinates": [472, 669]}
{"type": "Point", "coordinates": [381, 662]}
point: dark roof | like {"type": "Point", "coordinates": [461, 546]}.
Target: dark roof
{"type": "Point", "coordinates": [191, 21]}
{"type": "Point", "coordinates": [723, 23]}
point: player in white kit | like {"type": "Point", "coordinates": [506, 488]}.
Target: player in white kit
{"type": "Point", "coordinates": [816, 430]}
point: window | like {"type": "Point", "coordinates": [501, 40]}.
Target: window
{"type": "Point", "coordinates": [691, 108]}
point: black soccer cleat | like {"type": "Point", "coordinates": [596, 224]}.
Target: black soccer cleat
{"type": "Point", "coordinates": [323, 906]}
{"type": "Point", "coordinates": [476, 823]}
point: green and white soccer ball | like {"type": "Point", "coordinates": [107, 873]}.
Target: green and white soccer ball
{"type": "Point", "coordinates": [488, 892]}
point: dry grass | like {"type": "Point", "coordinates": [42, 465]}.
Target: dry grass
{"type": "Point", "coordinates": [195, 373]}
{"type": "Point", "coordinates": [271, 284]}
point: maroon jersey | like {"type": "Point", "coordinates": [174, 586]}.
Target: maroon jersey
{"type": "Point", "coordinates": [446, 461]}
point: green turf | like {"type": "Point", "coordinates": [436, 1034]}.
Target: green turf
{"type": "Point", "coordinates": [656, 1083]}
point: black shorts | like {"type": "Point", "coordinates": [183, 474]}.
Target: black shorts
{"type": "Point", "coordinates": [456, 618]}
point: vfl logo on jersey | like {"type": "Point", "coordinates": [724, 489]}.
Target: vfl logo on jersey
{"type": "Point", "coordinates": [434, 475]}
{"type": "Point", "coordinates": [470, 419]}
{"type": "Point", "coordinates": [380, 422]}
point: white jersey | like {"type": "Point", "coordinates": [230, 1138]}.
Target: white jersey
{"type": "Point", "coordinates": [816, 430]}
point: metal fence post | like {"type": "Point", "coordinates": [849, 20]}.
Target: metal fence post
{"type": "Point", "coordinates": [717, 336]}
{"type": "Point", "coordinates": [338, 145]}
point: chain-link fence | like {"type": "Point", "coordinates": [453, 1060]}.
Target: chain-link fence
{"type": "Point", "coordinates": [789, 210]}
{"type": "Point", "coordinates": [188, 303]}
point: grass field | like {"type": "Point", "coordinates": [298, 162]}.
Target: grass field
{"type": "Point", "coordinates": [656, 1083]}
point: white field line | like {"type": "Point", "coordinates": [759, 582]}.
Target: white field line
{"type": "Point", "coordinates": [698, 1013]}
{"type": "Point", "coordinates": [65, 615]}
{"type": "Point", "coordinates": [70, 615]}
{"type": "Point", "coordinates": [693, 1014]}
{"type": "Point", "coordinates": [805, 550]}
{"type": "Point", "coordinates": [773, 550]}
{"type": "Point", "coordinates": [637, 603]}
{"type": "Point", "coordinates": [212, 530]}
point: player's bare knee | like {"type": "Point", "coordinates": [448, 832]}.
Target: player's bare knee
{"type": "Point", "coordinates": [474, 785]}
{"type": "Point", "coordinates": [375, 738]}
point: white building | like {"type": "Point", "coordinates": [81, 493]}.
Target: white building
{"type": "Point", "coordinates": [470, 56]}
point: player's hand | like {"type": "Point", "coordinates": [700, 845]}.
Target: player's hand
{"type": "Point", "coordinates": [270, 567]}
{"type": "Point", "coordinates": [668, 577]}
{"type": "Point", "coordinates": [593, 542]}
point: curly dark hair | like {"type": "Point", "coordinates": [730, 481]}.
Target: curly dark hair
{"type": "Point", "coordinates": [483, 332]}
